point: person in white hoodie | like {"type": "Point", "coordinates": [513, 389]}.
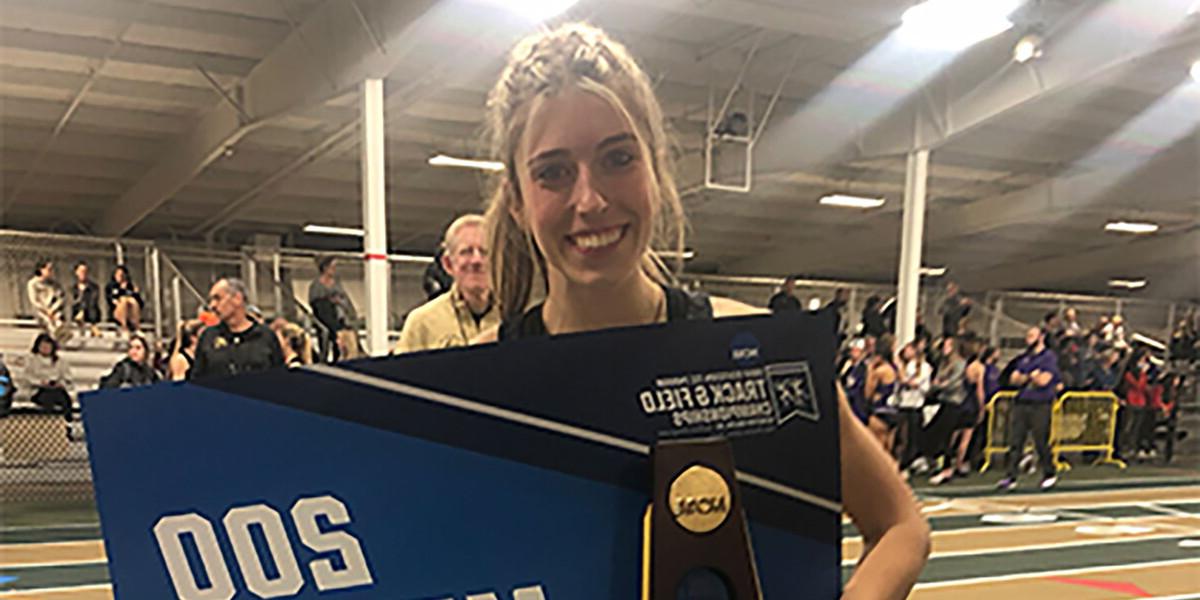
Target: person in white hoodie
{"type": "Point", "coordinates": [46, 378]}
{"type": "Point", "coordinates": [916, 375]}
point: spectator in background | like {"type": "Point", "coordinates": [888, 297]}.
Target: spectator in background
{"type": "Point", "coordinates": [1114, 333]}
{"type": "Point", "coordinates": [785, 299]}
{"type": "Point", "coordinates": [1071, 326]}
{"type": "Point", "coordinates": [295, 343]}
{"type": "Point", "coordinates": [837, 306]}
{"type": "Point", "coordinates": [1036, 375]}
{"type": "Point", "coordinates": [1183, 341]}
{"type": "Point", "coordinates": [955, 308]}
{"type": "Point", "coordinates": [458, 316]}
{"type": "Point", "coordinates": [332, 306]}
{"type": "Point", "coordinates": [135, 369]}
{"type": "Point", "coordinates": [8, 389]}
{"type": "Point", "coordinates": [237, 344]}
{"type": "Point", "coordinates": [882, 383]}
{"type": "Point", "coordinates": [47, 299]}
{"type": "Point", "coordinates": [1138, 392]}
{"type": "Point", "coordinates": [1105, 374]}
{"type": "Point", "coordinates": [183, 353]}
{"type": "Point", "coordinates": [872, 317]}
{"type": "Point", "coordinates": [916, 378]}
{"type": "Point", "coordinates": [1055, 337]}
{"type": "Point", "coordinates": [46, 379]}
{"type": "Point", "coordinates": [853, 377]}
{"type": "Point", "coordinates": [85, 300]}
{"type": "Point", "coordinates": [124, 300]}
{"type": "Point", "coordinates": [960, 409]}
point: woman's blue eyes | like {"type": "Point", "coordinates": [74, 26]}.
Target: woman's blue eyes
{"type": "Point", "coordinates": [560, 173]}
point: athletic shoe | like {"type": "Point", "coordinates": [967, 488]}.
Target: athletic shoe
{"type": "Point", "coordinates": [963, 471]}
{"type": "Point", "coordinates": [940, 478]}
{"type": "Point", "coordinates": [1049, 482]}
{"type": "Point", "coordinates": [920, 466]}
{"type": "Point", "coordinates": [1007, 484]}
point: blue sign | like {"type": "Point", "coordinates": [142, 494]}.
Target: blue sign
{"type": "Point", "coordinates": [515, 471]}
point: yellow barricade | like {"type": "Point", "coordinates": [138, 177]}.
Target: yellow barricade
{"type": "Point", "coordinates": [1079, 422]}
{"type": "Point", "coordinates": [998, 409]}
{"type": "Point", "coordinates": [1085, 422]}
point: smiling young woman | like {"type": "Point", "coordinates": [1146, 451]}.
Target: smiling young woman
{"type": "Point", "coordinates": [586, 195]}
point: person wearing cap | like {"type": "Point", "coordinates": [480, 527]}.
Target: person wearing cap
{"type": "Point", "coordinates": [237, 344]}
{"type": "Point", "coordinates": [467, 309]}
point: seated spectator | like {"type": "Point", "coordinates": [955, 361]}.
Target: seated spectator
{"type": "Point", "coordinates": [135, 369]}
{"type": "Point", "coordinates": [295, 342]}
{"type": "Point", "coordinates": [124, 300]}
{"type": "Point", "coordinates": [48, 300]}
{"type": "Point", "coordinates": [46, 379]}
{"type": "Point", "coordinates": [785, 299]}
{"type": "Point", "coordinates": [237, 344]}
{"type": "Point", "coordinates": [85, 300]}
{"type": "Point", "coordinates": [183, 354]}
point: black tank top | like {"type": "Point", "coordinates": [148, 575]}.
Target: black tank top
{"type": "Point", "coordinates": [682, 305]}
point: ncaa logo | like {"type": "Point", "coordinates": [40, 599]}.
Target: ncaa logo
{"type": "Point", "coordinates": [743, 349]}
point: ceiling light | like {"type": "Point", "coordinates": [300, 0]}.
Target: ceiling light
{"type": "Point", "coordinates": [442, 160]}
{"type": "Point", "coordinates": [536, 10]}
{"type": "Point", "coordinates": [956, 24]}
{"type": "Point", "coordinates": [1128, 227]}
{"type": "Point", "coordinates": [814, 304]}
{"type": "Point", "coordinates": [933, 271]}
{"type": "Point", "coordinates": [685, 255]}
{"type": "Point", "coordinates": [1029, 48]}
{"type": "Point", "coordinates": [333, 230]}
{"type": "Point", "coordinates": [852, 201]}
{"type": "Point", "coordinates": [1128, 284]}
{"type": "Point", "coordinates": [1196, 71]}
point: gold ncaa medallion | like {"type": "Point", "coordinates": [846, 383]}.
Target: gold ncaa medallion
{"type": "Point", "coordinates": [699, 499]}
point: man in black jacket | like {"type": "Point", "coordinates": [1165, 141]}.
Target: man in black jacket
{"type": "Point", "coordinates": [785, 299]}
{"type": "Point", "coordinates": [237, 344]}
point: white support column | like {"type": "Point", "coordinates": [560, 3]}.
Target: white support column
{"type": "Point", "coordinates": [912, 237]}
{"type": "Point", "coordinates": [277, 277]}
{"type": "Point", "coordinates": [250, 278]}
{"type": "Point", "coordinates": [376, 270]}
{"type": "Point", "coordinates": [997, 312]}
{"type": "Point", "coordinates": [156, 284]}
{"type": "Point", "coordinates": [177, 300]}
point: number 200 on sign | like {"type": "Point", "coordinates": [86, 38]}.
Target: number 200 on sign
{"type": "Point", "coordinates": [169, 532]}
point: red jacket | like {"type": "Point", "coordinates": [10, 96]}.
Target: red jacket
{"type": "Point", "coordinates": [1137, 388]}
{"type": "Point", "coordinates": [1139, 392]}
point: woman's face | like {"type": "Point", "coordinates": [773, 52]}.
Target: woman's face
{"type": "Point", "coordinates": [586, 189]}
{"type": "Point", "coordinates": [81, 272]}
{"type": "Point", "coordinates": [45, 348]}
{"type": "Point", "coordinates": [119, 275]}
{"type": "Point", "coordinates": [137, 351]}
{"type": "Point", "coordinates": [47, 270]}
{"type": "Point", "coordinates": [908, 353]}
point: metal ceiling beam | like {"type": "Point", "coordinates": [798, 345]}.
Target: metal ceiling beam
{"type": "Point", "coordinates": [324, 56]}
{"type": "Point", "coordinates": [12, 38]}
{"type": "Point", "coordinates": [1100, 41]}
{"type": "Point", "coordinates": [776, 17]}
{"type": "Point", "coordinates": [1055, 199]}
{"type": "Point", "coordinates": [1115, 260]}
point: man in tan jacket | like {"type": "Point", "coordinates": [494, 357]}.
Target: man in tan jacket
{"type": "Point", "coordinates": [460, 314]}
